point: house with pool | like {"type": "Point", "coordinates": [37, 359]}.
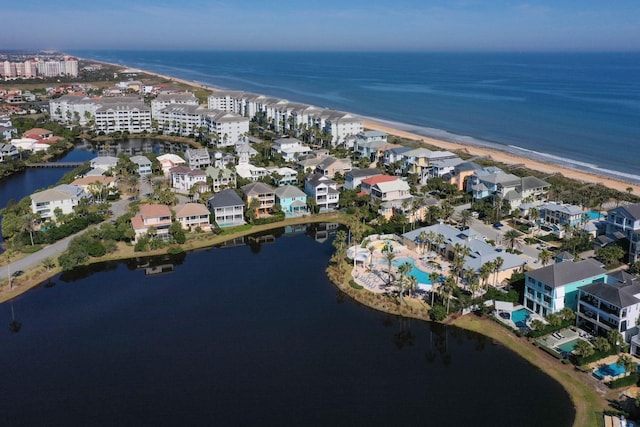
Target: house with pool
{"type": "Point", "coordinates": [550, 289]}
{"type": "Point", "coordinates": [613, 304]}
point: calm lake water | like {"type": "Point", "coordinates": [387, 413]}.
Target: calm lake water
{"type": "Point", "coordinates": [250, 335]}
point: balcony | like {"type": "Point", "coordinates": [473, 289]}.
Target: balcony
{"type": "Point", "coordinates": [587, 313]}
{"type": "Point", "coordinates": [610, 324]}
{"type": "Point", "coordinates": [615, 310]}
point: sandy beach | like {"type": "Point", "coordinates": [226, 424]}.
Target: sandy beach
{"type": "Point", "coordinates": [496, 155]}
{"type": "Point", "coordinates": [507, 158]}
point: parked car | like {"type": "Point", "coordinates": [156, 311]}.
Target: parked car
{"type": "Point", "coordinates": [498, 225]}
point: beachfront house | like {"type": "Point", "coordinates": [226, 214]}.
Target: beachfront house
{"type": "Point", "coordinates": [152, 219]}
{"type": "Point", "coordinates": [549, 289]}
{"type": "Point", "coordinates": [418, 161]}
{"type": "Point", "coordinates": [612, 304]}
{"type": "Point", "coordinates": [458, 176]}
{"type": "Point", "coordinates": [512, 189]}
{"type": "Point", "coordinates": [192, 216]}
{"type": "Point", "coordinates": [624, 221]}
{"type": "Point", "coordinates": [561, 214]}
{"type": "Point", "coordinates": [63, 197]}
{"type": "Point", "coordinates": [292, 200]}
{"type": "Point", "coordinates": [227, 208]}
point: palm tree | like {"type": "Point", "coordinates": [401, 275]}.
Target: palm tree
{"type": "Point", "coordinates": [412, 285]}
{"type": "Point", "coordinates": [485, 272]}
{"type": "Point", "coordinates": [471, 278]}
{"type": "Point", "coordinates": [48, 263]}
{"type": "Point", "coordinates": [29, 224]}
{"type": "Point", "coordinates": [422, 237]}
{"type": "Point", "coordinates": [534, 215]}
{"type": "Point", "coordinates": [434, 278]}
{"type": "Point", "coordinates": [449, 286]}
{"type": "Point", "coordinates": [497, 265]}
{"type": "Point", "coordinates": [387, 250]}
{"type": "Point", "coordinates": [403, 271]}
{"type": "Point", "coordinates": [511, 239]}
{"type": "Point", "coordinates": [545, 256]}
{"type": "Point", "coordinates": [371, 249]}
{"type": "Point", "coordinates": [465, 218]}
{"type": "Point", "coordinates": [438, 240]}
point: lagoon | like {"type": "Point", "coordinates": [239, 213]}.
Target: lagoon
{"type": "Point", "coordinates": [250, 335]}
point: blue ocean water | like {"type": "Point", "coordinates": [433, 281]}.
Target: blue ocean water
{"type": "Point", "coordinates": [577, 109]}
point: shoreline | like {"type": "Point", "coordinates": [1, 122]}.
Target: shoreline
{"type": "Point", "coordinates": [496, 154]}
{"type": "Point", "coordinates": [578, 390]}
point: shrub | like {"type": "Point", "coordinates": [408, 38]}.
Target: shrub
{"type": "Point", "coordinates": [31, 249]}
{"type": "Point", "coordinates": [624, 381]}
{"type": "Point", "coordinates": [438, 313]}
{"type": "Point", "coordinates": [354, 285]}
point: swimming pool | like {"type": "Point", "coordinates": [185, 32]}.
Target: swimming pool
{"type": "Point", "coordinates": [520, 317]}
{"type": "Point", "coordinates": [420, 275]}
{"type": "Point", "coordinates": [569, 346]}
{"type": "Point", "coordinates": [612, 369]}
{"type": "Point", "coordinates": [593, 215]}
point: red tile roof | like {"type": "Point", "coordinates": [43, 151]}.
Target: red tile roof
{"type": "Point", "coordinates": [379, 178]}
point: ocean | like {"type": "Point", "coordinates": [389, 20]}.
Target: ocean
{"type": "Point", "coordinates": [581, 110]}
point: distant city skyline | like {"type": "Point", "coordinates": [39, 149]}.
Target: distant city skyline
{"type": "Point", "coordinates": [407, 25]}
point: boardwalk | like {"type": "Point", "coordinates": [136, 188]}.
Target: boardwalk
{"type": "Point", "coordinates": [55, 165]}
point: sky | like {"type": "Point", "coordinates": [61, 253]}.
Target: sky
{"type": "Point", "coordinates": [370, 25]}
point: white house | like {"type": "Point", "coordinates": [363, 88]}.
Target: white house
{"type": "Point", "coordinates": [143, 163]}
{"type": "Point", "coordinates": [323, 190]}
{"type": "Point", "coordinates": [64, 197]}
{"type": "Point", "coordinates": [183, 178]}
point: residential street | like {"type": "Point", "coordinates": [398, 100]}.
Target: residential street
{"type": "Point", "coordinates": [119, 208]}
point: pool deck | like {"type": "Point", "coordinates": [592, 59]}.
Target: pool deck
{"type": "Point", "coordinates": [608, 361]}
{"type": "Point", "coordinates": [560, 337]}
{"type": "Point", "coordinates": [373, 272]}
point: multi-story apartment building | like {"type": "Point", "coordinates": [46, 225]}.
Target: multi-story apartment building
{"type": "Point", "coordinates": [225, 129]}
{"type": "Point", "coordinates": [123, 114]}
{"type": "Point", "coordinates": [181, 119]}
{"type": "Point", "coordinates": [165, 100]}
{"type": "Point", "coordinates": [68, 108]}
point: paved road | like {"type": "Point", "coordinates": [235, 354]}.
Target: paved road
{"type": "Point", "coordinates": [119, 208]}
